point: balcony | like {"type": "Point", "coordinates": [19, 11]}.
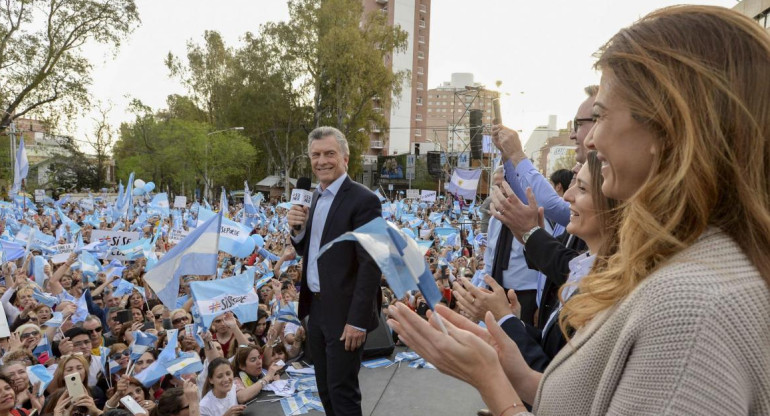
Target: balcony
{"type": "Point", "coordinates": [382, 1]}
{"type": "Point", "coordinates": [423, 8]}
{"type": "Point", "coordinates": [375, 144]}
{"type": "Point", "coordinates": [375, 129]}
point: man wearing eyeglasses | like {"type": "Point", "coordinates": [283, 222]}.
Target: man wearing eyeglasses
{"type": "Point", "coordinates": [95, 330]}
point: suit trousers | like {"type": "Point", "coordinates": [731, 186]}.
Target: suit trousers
{"type": "Point", "coordinates": [336, 370]}
{"type": "Point", "coordinates": [528, 301]}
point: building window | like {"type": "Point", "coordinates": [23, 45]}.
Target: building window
{"type": "Point", "coordinates": [422, 23]}
{"type": "Point", "coordinates": [418, 132]}
{"type": "Point", "coordinates": [418, 117]}
{"type": "Point", "coordinates": [420, 55]}
{"type": "Point", "coordinates": [423, 8]}
{"type": "Point", "coordinates": [421, 39]}
{"type": "Point", "coordinates": [419, 100]}
{"type": "Point", "coordinates": [419, 86]}
{"type": "Point", "coordinates": [420, 71]}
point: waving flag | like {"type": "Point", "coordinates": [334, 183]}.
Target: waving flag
{"type": "Point", "coordinates": [11, 250]}
{"type": "Point", "coordinates": [81, 313]}
{"type": "Point", "coordinates": [38, 374]}
{"type": "Point", "coordinates": [89, 265]}
{"type": "Point", "coordinates": [142, 343]}
{"type": "Point", "coordinates": [250, 216]}
{"type": "Point", "coordinates": [233, 237]}
{"type": "Point", "coordinates": [379, 196]}
{"type": "Point", "coordinates": [223, 208]}
{"type": "Point", "coordinates": [399, 258]}
{"type": "Point", "coordinates": [464, 182]}
{"type": "Point", "coordinates": [20, 167]}
{"type": "Point", "coordinates": [44, 298]}
{"type": "Point", "coordinates": [236, 294]}
{"type": "Point", "coordinates": [159, 205]}
{"type": "Point", "coordinates": [134, 249]}
{"type": "Point", "coordinates": [122, 288]}
{"type": "Point", "coordinates": [288, 313]}
{"type": "Point", "coordinates": [56, 320]}
{"type": "Point", "coordinates": [157, 370]}
{"type": "Point", "coordinates": [43, 350]}
{"type": "Point", "coordinates": [196, 254]}
{"type": "Point", "coordinates": [187, 363]}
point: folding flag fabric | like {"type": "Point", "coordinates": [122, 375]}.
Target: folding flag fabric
{"type": "Point", "coordinates": [288, 313]}
{"type": "Point", "coordinates": [142, 343]}
{"type": "Point", "coordinates": [38, 374]}
{"type": "Point", "coordinates": [159, 205]}
{"type": "Point", "coordinates": [187, 363]}
{"type": "Point", "coordinates": [20, 167]}
{"type": "Point", "coordinates": [464, 182]}
{"type": "Point", "coordinates": [196, 254]}
{"type": "Point", "coordinates": [89, 265]}
{"type": "Point", "coordinates": [45, 298]}
{"type": "Point", "coordinates": [122, 288]}
{"type": "Point", "coordinates": [235, 294]}
{"type": "Point", "coordinates": [157, 370]}
{"type": "Point", "coordinates": [81, 313]}
{"type": "Point", "coordinates": [56, 320]}
{"type": "Point", "coordinates": [399, 258]}
{"type": "Point", "coordinates": [134, 249]}
{"type": "Point", "coordinates": [11, 250]}
{"type": "Point", "coordinates": [233, 238]}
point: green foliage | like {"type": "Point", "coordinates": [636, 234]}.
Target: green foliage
{"type": "Point", "coordinates": [41, 65]}
{"type": "Point", "coordinates": [179, 153]}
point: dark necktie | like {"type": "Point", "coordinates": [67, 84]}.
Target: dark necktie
{"type": "Point", "coordinates": [502, 253]}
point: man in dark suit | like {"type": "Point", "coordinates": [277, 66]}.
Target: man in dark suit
{"type": "Point", "coordinates": [340, 289]}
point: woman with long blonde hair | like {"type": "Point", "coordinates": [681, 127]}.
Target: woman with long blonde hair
{"type": "Point", "coordinates": [678, 322]}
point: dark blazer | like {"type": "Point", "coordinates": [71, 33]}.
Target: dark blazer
{"type": "Point", "coordinates": [537, 348]}
{"type": "Point", "coordinates": [350, 279]}
{"type": "Point", "coordinates": [551, 256]}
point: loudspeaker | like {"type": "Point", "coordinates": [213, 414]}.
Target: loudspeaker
{"type": "Point", "coordinates": [476, 131]}
{"type": "Point", "coordinates": [434, 163]}
{"type": "Point", "coordinates": [379, 343]}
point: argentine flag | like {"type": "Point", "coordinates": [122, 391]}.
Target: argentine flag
{"type": "Point", "coordinates": [399, 258]}
{"type": "Point", "coordinates": [236, 294]}
{"type": "Point", "coordinates": [157, 370]}
{"type": "Point", "coordinates": [196, 254]}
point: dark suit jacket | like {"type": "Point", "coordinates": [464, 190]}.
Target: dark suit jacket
{"type": "Point", "coordinates": [537, 348]}
{"type": "Point", "coordinates": [349, 277]}
{"type": "Point", "coordinates": [551, 256]}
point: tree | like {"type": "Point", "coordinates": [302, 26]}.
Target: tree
{"type": "Point", "coordinates": [41, 65]}
{"type": "Point", "coordinates": [101, 142]}
{"type": "Point", "coordinates": [72, 170]}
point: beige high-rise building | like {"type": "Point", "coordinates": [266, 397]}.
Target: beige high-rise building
{"type": "Point", "coordinates": [406, 114]}
{"type": "Point", "coordinates": [759, 10]}
{"type": "Point", "coordinates": [447, 126]}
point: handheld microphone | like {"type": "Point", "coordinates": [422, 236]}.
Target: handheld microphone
{"type": "Point", "coordinates": [301, 195]}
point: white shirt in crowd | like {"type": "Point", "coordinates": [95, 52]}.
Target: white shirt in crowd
{"type": "Point", "coordinates": [212, 406]}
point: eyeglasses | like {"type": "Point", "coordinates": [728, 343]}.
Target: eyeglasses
{"type": "Point", "coordinates": [119, 355]}
{"type": "Point", "coordinates": [157, 317]}
{"type": "Point", "coordinates": [27, 335]}
{"type": "Point", "coordinates": [577, 122]}
{"type": "Point", "coordinates": [180, 320]}
{"type": "Point", "coordinates": [95, 330]}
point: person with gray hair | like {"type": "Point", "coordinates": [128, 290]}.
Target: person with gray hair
{"type": "Point", "coordinates": [340, 290]}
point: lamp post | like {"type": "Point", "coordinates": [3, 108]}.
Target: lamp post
{"type": "Point", "coordinates": [206, 178]}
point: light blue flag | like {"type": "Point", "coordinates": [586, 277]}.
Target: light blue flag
{"type": "Point", "coordinates": [268, 255]}
{"type": "Point", "coordinates": [223, 207]}
{"type": "Point", "coordinates": [435, 218]}
{"type": "Point", "coordinates": [39, 375]}
{"type": "Point", "coordinates": [159, 205]}
{"type": "Point", "coordinates": [134, 249]}
{"type": "Point", "coordinates": [425, 245]}
{"type": "Point", "coordinates": [56, 320]}
{"type": "Point", "coordinates": [399, 258]}
{"type": "Point", "coordinates": [122, 288]}
{"type": "Point", "coordinates": [464, 182]}
{"type": "Point", "coordinates": [63, 200]}
{"type": "Point", "coordinates": [114, 366]}
{"type": "Point", "coordinates": [81, 313]}
{"type": "Point", "coordinates": [12, 250]}
{"type": "Point", "coordinates": [235, 294]}
{"type": "Point", "coordinates": [233, 238]}
{"type": "Point", "coordinates": [115, 268]}
{"type": "Point", "coordinates": [187, 363]}
{"type": "Point", "coordinates": [118, 208]}
{"type": "Point", "coordinates": [20, 167]}
{"type": "Point", "coordinates": [288, 313]}
{"type": "Point", "coordinates": [38, 269]}
{"type": "Point", "coordinates": [284, 205]}
{"type": "Point", "coordinates": [89, 265]}
{"type": "Point", "coordinates": [196, 254]}
{"type": "Point", "coordinates": [379, 196]}
{"type": "Point", "coordinates": [128, 198]}
{"type": "Point", "coordinates": [44, 298]}
{"type": "Point", "coordinates": [157, 370]}
{"type": "Point", "coordinates": [250, 216]}
{"type": "Point", "coordinates": [263, 280]}
{"type": "Point", "coordinates": [142, 343]}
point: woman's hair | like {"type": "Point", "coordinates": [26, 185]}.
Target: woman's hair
{"type": "Point", "coordinates": [19, 355]}
{"type": "Point", "coordinates": [239, 361]}
{"type": "Point", "coordinates": [170, 402]}
{"type": "Point", "coordinates": [117, 347]}
{"type": "Point", "coordinates": [134, 382]}
{"type": "Point", "coordinates": [697, 78]}
{"type": "Point", "coordinates": [7, 379]}
{"type": "Point", "coordinates": [58, 375]}
{"type": "Point", "coordinates": [20, 330]}
{"type": "Point", "coordinates": [211, 369]}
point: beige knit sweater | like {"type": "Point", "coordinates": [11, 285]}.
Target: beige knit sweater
{"type": "Point", "coordinates": [692, 339]}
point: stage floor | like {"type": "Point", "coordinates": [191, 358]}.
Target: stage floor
{"type": "Point", "coordinates": [401, 390]}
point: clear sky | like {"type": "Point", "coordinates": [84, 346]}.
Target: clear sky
{"type": "Point", "coordinates": [541, 50]}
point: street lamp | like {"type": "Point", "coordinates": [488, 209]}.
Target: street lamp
{"type": "Point", "coordinates": [206, 178]}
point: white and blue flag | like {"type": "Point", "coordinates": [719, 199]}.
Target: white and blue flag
{"type": "Point", "coordinates": [38, 374]}
{"type": "Point", "coordinates": [196, 254]}
{"type": "Point", "coordinates": [399, 258]}
{"type": "Point", "coordinates": [235, 294]}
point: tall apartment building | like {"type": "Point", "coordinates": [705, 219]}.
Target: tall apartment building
{"type": "Point", "coordinates": [406, 114]}
{"type": "Point", "coordinates": [447, 127]}
{"type": "Point", "coordinates": [759, 10]}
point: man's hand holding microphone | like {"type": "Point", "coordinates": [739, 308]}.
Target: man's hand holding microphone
{"type": "Point", "coordinates": [301, 199]}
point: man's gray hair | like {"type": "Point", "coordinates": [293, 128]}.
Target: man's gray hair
{"type": "Point", "coordinates": [323, 131]}
{"type": "Point", "coordinates": [591, 90]}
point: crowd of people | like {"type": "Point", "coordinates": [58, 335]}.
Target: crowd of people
{"type": "Point", "coordinates": [636, 283]}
